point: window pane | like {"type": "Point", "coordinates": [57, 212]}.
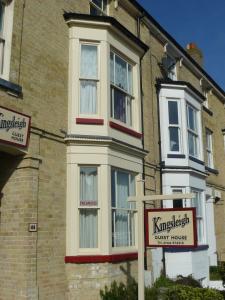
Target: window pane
{"type": "Point", "coordinates": [130, 80]}
{"type": "Point", "coordinates": [120, 235]}
{"type": "Point", "coordinates": [121, 73]}
{"type": "Point", "coordinates": [174, 139]}
{"type": "Point", "coordinates": [113, 188]}
{"type": "Point", "coordinates": [191, 118]}
{"type": "Point", "coordinates": [119, 106]}
{"type": "Point", "coordinates": [2, 8]}
{"type": "Point", "coordinates": [122, 190]}
{"type": "Point", "coordinates": [98, 3]}
{"type": "Point", "coordinates": [192, 144]}
{"type": "Point", "coordinates": [112, 67]}
{"type": "Point", "coordinates": [88, 228]}
{"type": "Point", "coordinates": [88, 97]}
{"type": "Point", "coordinates": [173, 112]}
{"type": "Point", "coordinates": [88, 186]}
{"type": "Point", "coordinates": [89, 62]}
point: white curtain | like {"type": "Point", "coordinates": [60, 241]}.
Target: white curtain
{"type": "Point", "coordinates": [88, 216]}
{"type": "Point", "coordinates": [89, 75]}
{"type": "Point", "coordinates": [88, 228]}
{"type": "Point", "coordinates": [88, 62]}
{"type": "Point", "coordinates": [123, 219]}
{"type": "Point", "coordinates": [121, 73]}
{"type": "Point", "coordinates": [88, 97]}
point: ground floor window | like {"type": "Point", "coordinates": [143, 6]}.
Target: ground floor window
{"type": "Point", "coordinates": [88, 207]}
{"type": "Point", "coordinates": [123, 212]}
{"type": "Point", "coordinates": [197, 202]}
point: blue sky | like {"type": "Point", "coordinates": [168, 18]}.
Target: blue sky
{"type": "Point", "coordinates": [198, 21]}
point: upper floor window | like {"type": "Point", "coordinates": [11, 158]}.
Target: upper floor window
{"type": "Point", "coordinates": [88, 79]}
{"type": "Point", "coordinates": [123, 212]}
{"type": "Point", "coordinates": [6, 23]}
{"type": "Point", "coordinates": [88, 207]}
{"type": "Point", "coordinates": [121, 89]}
{"type": "Point", "coordinates": [209, 148]}
{"type": "Point", "coordinates": [98, 7]}
{"type": "Point", "coordinates": [192, 127]}
{"type": "Point", "coordinates": [169, 64]}
{"type": "Point", "coordinates": [174, 126]}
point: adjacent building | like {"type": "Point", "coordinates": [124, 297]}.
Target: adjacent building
{"type": "Point", "coordinates": [97, 103]}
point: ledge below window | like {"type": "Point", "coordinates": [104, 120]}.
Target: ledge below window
{"type": "Point", "coordinates": [176, 156]}
{"type": "Point", "coordinates": [214, 171]}
{"type": "Point", "coordinates": [125, 130]}
{"type": "Point", "coordinates": [10, 87]}
{"type": "Point", "coordinates": [198, 161]}
{"type": "Point", "coordinates": [85, 259]}
{"type": "Point", "coordinates": [175, 250]}
{"type": "Point", "coordinates": [206, 109]}
{"type": "Point", "coordinates": [89, 121]}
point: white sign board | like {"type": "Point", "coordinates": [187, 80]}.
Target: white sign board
{"type": "Point", "coordinates": [14, 128]}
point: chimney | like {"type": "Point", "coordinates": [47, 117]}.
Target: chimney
{"type": "Point", "coordinates": [195, 53]}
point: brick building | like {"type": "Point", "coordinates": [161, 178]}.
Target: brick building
{"type": "Point", "coordinates": [94, 97]}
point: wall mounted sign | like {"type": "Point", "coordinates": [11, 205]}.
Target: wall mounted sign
{"type": "Point", "coordinates": [171, 228]}
{"type": "Point", "coordinates": [14, 127]}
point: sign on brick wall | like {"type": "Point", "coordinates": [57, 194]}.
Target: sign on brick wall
{"type": "Point", "coordinates": [171, 228]}
{"type": "Point", "coordinates": [14, 127]}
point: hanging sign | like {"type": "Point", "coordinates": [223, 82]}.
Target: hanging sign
{"type": "Point", "coordinates": [14, 127]}
{"type": "Point", "coordinates": [171, 228]}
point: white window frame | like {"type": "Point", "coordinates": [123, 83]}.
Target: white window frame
{"type": "Point", "coordinates": [209, 148]}
{"type": "Point", "coordinates": [130, 210]}
{"type": "Point", "coordinates": [97, 80]}
{"type": "Point", "coordinates": [6, 39]}
{"type": "Point", "coordinates": [129, 96]}
{"type": "Point", "coordinates": [199, 215]}
{"type": "Point", "coordinates": [100, 10]}
{"type": "Point", "coordinates": [175, 126]}
{"type": "Point", "coordinates": [193, 132]}
{"type": "Point", "coordinates": [89, 207]}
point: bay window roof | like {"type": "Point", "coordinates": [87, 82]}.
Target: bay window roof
{"type": "Point", "coordinates": [72, 18]}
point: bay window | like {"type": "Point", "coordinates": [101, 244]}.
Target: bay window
{"type": "Point", "coordinates": [88, 207]}
{"type": "Point", "coordinates": [192, 127]}
{"type": "Point", "coordinates": [174, 126]}
{"type": "Point", "coordinates": [123, 212]}
{"type": "Point", "coordinates": [197, 202]}
{"type": "Point", "coordinates": [88, 79]}
{"type": "Point", "coordinates": [209, 148]}
{"type": "Point", "coordinates": [98, 7]}
{"type": "Point", "coordinates": [121, 89]}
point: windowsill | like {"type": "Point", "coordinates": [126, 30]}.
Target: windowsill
{"type": "Point", "coordinates": [176, 156]}
{"type": "Point", "coordinates": [89, 121]}
{"type": "Point", "coordinates": [198, 161]}
{"type": "Point", "coordinates": [206, 109]}
{"type": "Point", "coordinates": [211, 170]}
{"type": "Point", "coordinates": [113, 258]}
{"type": "Point", "coordinates": [188, 249]}
{"type": "Point", "coordinates": [124, 129]}
{"type": "Point", "coordinates": [11, 87]}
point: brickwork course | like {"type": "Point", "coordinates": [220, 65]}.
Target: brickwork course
{"type": "Point", "coordinates": [33, 186]}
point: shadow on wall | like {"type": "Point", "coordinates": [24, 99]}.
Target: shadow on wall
{"type": "Point", "coordinates": [8, 164]}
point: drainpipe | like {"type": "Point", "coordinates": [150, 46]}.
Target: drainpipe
{"type": "Point", "coordinates": [142, 114]}
{"type": "Point", "coordinates": [161, 163]}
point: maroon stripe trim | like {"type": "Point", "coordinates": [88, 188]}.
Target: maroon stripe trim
{"type": "Point", "coordinates": [89, 121]}
{"type": "Point", "coordinates": [82, 259]}
{"type": "Point", "coordinates": [125, 130]}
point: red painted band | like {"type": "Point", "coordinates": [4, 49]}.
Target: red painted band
{"type": "Point", "coordinates": [125, 130]}
{"type": "Point", "coordinates": [89, 121]}
{"type": "Point", "coordinates": [113, 258]}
